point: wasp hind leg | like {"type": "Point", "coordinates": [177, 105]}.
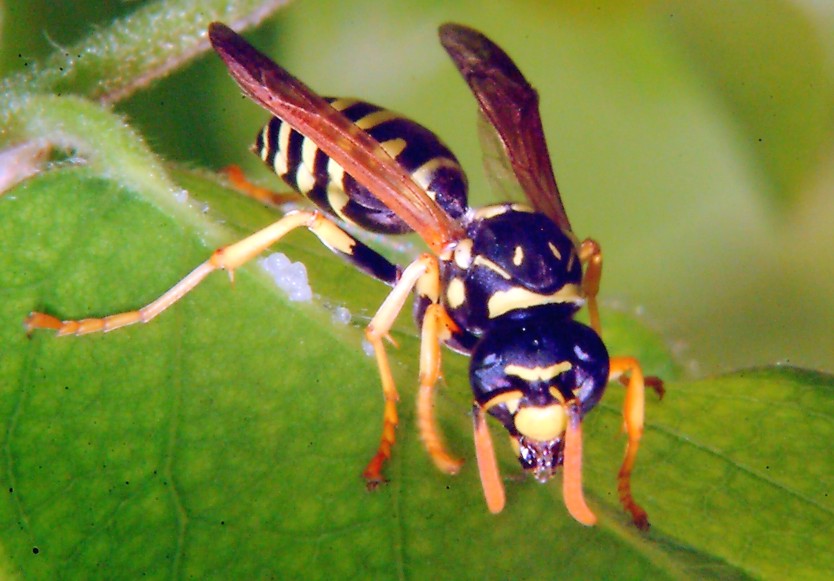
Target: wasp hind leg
{"type": "Point", "coordinates": [436, 327]}
{"type": "Point", "coordinates": [238, 180]}
{"type": "Point", "coordinates": [230, 258]}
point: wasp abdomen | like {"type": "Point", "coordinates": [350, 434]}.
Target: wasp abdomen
{"type": "Point", "coordinates": [311, 172]}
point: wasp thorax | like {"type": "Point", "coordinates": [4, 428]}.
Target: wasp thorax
{"type": "Point", "coordinates": [513, 259]}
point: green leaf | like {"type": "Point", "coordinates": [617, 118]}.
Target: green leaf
{"type": "Point", "coordinates": [225, 438]}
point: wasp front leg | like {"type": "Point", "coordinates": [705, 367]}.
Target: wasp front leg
{"type": "Point", "coordinates": [230, 258]}
{"type": "Point", "coordinates": [633, 418]}
{"type": "Point", "coordinates": [437, 327]}
{"type": "Point", "coordinates": [424, 275]}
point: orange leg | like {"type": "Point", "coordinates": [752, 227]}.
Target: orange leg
{"type": "Point", "coordinates": [590, 254]}
{"type": "Point", "coordinates": [633, 415]}
{"type": "Point", "coordinates": [423, 271]}
{"type": "Point", "coordinates": [436, 326]}
{"type": "Point", "coordinates": [227, 258]}
{"type": "Point", "coordinates": [266, 196]}
{"type": "Point", "coordinates": [651, 381]}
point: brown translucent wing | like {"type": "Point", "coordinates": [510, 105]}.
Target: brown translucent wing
{"type": "Point", "coordinates": [512, 107]}
{"type": "Point", "coordinates": [358, 153]}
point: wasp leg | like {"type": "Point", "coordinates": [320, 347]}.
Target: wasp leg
{"type": "Point", "coordinates": [487, 465]}
{"type": "Point", "coordinates": [265, 196]}
{"type": "Point", "coordinates": [230, 258]}
{"type": "Point", "coordinates": [590, 254]}
{"type": "Point", "coordinates": [436, 327]}
{"type": "Point", "coordinates": [422, 272]}
{"type": "Point", "coordinates": [633, 415]}
{"type": "Point", "coordinates": [651, 381]}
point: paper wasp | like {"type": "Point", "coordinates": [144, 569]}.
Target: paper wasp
{"type": "Point", "coordinates": [501, 284]}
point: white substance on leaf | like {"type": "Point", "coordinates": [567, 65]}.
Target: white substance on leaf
{"type": "Point", "coordinates": [181, 196]}
{"type": "Point", "coordinates": [341, 315]}
{"type": "Point", "coordinates": [291, 277]}
{"type": "Point", "coordinates": [367, 348]}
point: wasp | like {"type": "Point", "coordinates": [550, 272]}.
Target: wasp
{"type": "Point", "coordinates": [501, 283]}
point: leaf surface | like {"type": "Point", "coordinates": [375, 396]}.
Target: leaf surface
{"type": "Point", "coordinates": [226, 438]}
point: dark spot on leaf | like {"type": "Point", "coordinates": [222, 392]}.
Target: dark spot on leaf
{"type": "Point", "coordinates": [35, 550]}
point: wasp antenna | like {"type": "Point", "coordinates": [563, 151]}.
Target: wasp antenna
{"type": "Point", "coordinates": [572, 477]}
{"type": "Point", "coordinates": [487, 466]}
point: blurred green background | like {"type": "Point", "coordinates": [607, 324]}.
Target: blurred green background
{"type": "Point", "coordinates": [693, 139]}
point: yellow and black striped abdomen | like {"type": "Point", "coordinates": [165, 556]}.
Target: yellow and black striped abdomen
{"type": "Point", "coordinates": [312, 173]}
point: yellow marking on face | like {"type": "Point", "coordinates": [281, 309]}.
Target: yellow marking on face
{"type": "Point", "coordinates": [522, 208]}
{"type": "Point", "coordinates": [455, 293]}
{"type": "Point", "coordinates": [280, 163]}
{"type": "Point", "coordinates": [541, 423]}
{"type": "Point", "coordinates": [487, 263]}
{"type": "Point", "coordinates": [511, 398]}
{"type": "Point", "coordinates": [463, 253]}
{"type": "Point", "coordinates": [557, 394]}
{"type": "Point", "coordinates": [342, 104]}
{"type": "Point", "coordinates": [394, 147]}
{"type": "Point", "coordinates": [518, 256]}
{"type": "Point", "coordinates": [538, 373]}
{"type": "Point", "coordinates": [555, 251]}
{"type": "Point", "coordinates": [371, 120]}
{"type": "Point", "coordinates": [520, 298]}
{"type": "Point", "coordinates": [336, 238]}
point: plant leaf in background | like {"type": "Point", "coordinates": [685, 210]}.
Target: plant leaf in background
{"type": "Point", "coordinates": [226, 438]}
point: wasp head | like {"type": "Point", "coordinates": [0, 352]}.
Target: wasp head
{"type": "Point", "coordinates": [533, 375]}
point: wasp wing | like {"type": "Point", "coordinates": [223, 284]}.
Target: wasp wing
{"type": "Point", "coordinates": [512, 107]}
{"type": "Point", "coordinates": [356, 151]}
{"type": "Point", "coordinates": [499, 172]}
